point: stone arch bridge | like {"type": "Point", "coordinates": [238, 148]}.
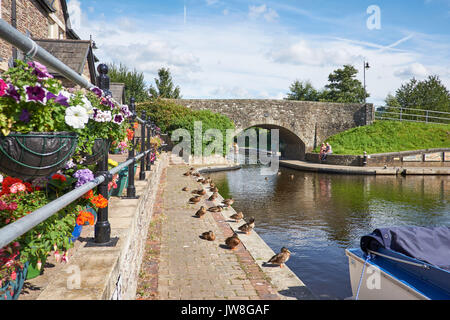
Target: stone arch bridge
{"type": "Point", "coordinates": [302, 124]}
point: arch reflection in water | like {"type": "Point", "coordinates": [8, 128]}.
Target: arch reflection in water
{"type": "Point", "coordinates": [317, 216]}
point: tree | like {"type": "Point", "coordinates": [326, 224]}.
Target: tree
{"type": "Point", "coordinates": [164, 86]}
{"type": "Point", "coordinates": [303, 91]}
{"type": "Point", "coordinates": [429, 94]}
{"type": "Point", "coordinates": [343, 87]}
{"type": "Point", "coordinates": [134, 81]}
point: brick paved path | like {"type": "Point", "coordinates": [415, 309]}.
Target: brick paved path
{"type": "Point", "coordinates": [180, 265]}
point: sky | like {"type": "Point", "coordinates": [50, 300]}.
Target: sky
{"type": "Point", "coordinates": [223, 49]}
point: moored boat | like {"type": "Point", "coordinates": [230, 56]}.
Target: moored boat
{"type": "Point", "coordinates": [401, 263]}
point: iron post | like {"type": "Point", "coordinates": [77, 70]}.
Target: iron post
{"type": "Point", "coordinates": [143, 145]}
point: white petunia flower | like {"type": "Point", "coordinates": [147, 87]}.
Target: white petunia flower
{"type": "Point", "coordinates": [77, 117]}
{"type": "Point", "coordinates": [88, 106]}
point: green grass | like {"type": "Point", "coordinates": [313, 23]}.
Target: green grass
{"type": "Point", "coordinates": [390, 136]}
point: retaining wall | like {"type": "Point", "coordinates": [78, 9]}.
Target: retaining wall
{"type": "Point", "coordinates": [416, 158]}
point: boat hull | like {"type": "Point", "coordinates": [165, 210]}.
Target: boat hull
{"type": "Point", "coordinates": [377, 283]}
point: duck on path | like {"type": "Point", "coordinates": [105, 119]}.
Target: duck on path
{"type": "Point", "coordinates": [233, 241]}
{"type": "Point", "coordinates": [209, 235]}
{"type": "Point", "coordinates": [248, 227]}
{"type": "Point", "coordinates": [281, 257]}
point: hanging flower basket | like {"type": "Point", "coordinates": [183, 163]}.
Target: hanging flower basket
{"type": "Point", "coordinates": [36, 154]}
{"type": "Point", "coordinates": [101, 146]}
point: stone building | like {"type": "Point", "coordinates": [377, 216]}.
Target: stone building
{"type": "Point", "coordinates": [47, 22]}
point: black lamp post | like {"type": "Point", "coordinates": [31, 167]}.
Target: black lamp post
{"type": "Point", "coordinates": [366, 66]}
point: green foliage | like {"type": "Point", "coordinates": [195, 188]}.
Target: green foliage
{"type": "Point", "coordinates": [170, 116]}
{"type": "Point", "coordinates": [134, 81]}
{"type": "Point", "coordinates": [343, 87]}
{"type": "Point", "coordinates": [390, 136]}
{"type": "Point", "coordinates": [429, 94]}
{"type": "Point", "coordinates": [164, 86]}
{"type": "Point", "coordinates": [302, 91]}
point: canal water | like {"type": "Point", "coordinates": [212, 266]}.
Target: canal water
{"type": "Point", "coordinates": [317, 216]}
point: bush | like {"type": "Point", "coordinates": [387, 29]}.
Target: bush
{"type": "Point", "coordinates": [169, 116]}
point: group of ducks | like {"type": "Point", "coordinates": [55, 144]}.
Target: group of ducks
{"type": "Point", "coordinates": [233, 241]}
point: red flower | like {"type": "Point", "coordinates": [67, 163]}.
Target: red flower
{"type": "Point", "coordinates": [99, 201]}
{"type": "Point", "coordinates": [59, 177]}
{"type": "Point", "coordinates": [85, 216]}
{"type": "Point", "coordinates": [89, 195]}
{"type": "Point", "coordinates": [7, 183]}
{"type": "Point", "coordinates": [130, 134]}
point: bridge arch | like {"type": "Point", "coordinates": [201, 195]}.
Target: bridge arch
{"type": "Point", "coordinates": [291, 145]}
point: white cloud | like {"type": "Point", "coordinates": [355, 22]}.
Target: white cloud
{"type": "Point", "coordinates": [415, 70]}
{"type": "Point", "coordinates": [268, 14]}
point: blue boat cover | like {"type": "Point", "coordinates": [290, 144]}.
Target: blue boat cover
{"type": "Point", "coordinates": [427, 244]}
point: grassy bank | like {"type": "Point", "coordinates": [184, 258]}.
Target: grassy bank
{"type": "Point", "coordinates": [390, 136]}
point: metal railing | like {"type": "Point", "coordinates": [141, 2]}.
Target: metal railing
{"type": "Point", "coordinates": [412, 115]}
{"type": "Point", "coordinates": [102, 177]}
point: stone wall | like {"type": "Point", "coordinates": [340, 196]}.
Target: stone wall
{"type": "Point", "coordinates": [303, 124]}
{"type": "Point", "coordinates": [416, 158]}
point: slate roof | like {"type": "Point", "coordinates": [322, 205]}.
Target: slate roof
{"type": "Point", "coordinates": [72, 53]}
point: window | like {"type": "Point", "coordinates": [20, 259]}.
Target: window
{"type": "Point", "coordinates": [52, 30]}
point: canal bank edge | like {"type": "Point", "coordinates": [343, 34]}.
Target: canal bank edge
{"type": "Point", "coordinates": [340, 169]}
{"type": "Point", "coordinates": [284, 280]}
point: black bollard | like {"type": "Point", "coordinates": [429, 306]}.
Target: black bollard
{"type": "Point", "coordinates": [149, 153]}
{"type": "Point", "coordinates": [102, 230]}
{"type": "Point", "coordinates": [131, 189]}
{"type": "Point", "coordinates": [143, 144]}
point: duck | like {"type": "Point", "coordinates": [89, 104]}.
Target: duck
{"type": "Point", "coordinates": [201, 180]}
{"type": "Point", "coordinates": [187, 174]}
{"type": "Point", "coordinates": [200, 192]}
{"type": "Point", "coordinates": [281, 257]}
{"type": "Point", "coordinates": [213, 196]}
{"type": "Point", "coordinates": [214, 189]}
{"type": "Point", "coordinates": [237, 216]}
{"type": "Point", "coordinates": [201, 212]}
{"type": "Point", "coordinates": [215, 209]}
{"type": "Point", "coordinates": [228, 202]}
{"type": "Point", "coordinates": [212, 185]}
{"type": "Point", "coordinates": [196, 174]}
{"type": "Point", "coordinates": [248, 227]}
{"type": "Point", "coordinates": [233, 241]}
{"type": "Point", "coordinates": [195, 199]}
{"type": "Point", "coordinates": [209, 235]}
